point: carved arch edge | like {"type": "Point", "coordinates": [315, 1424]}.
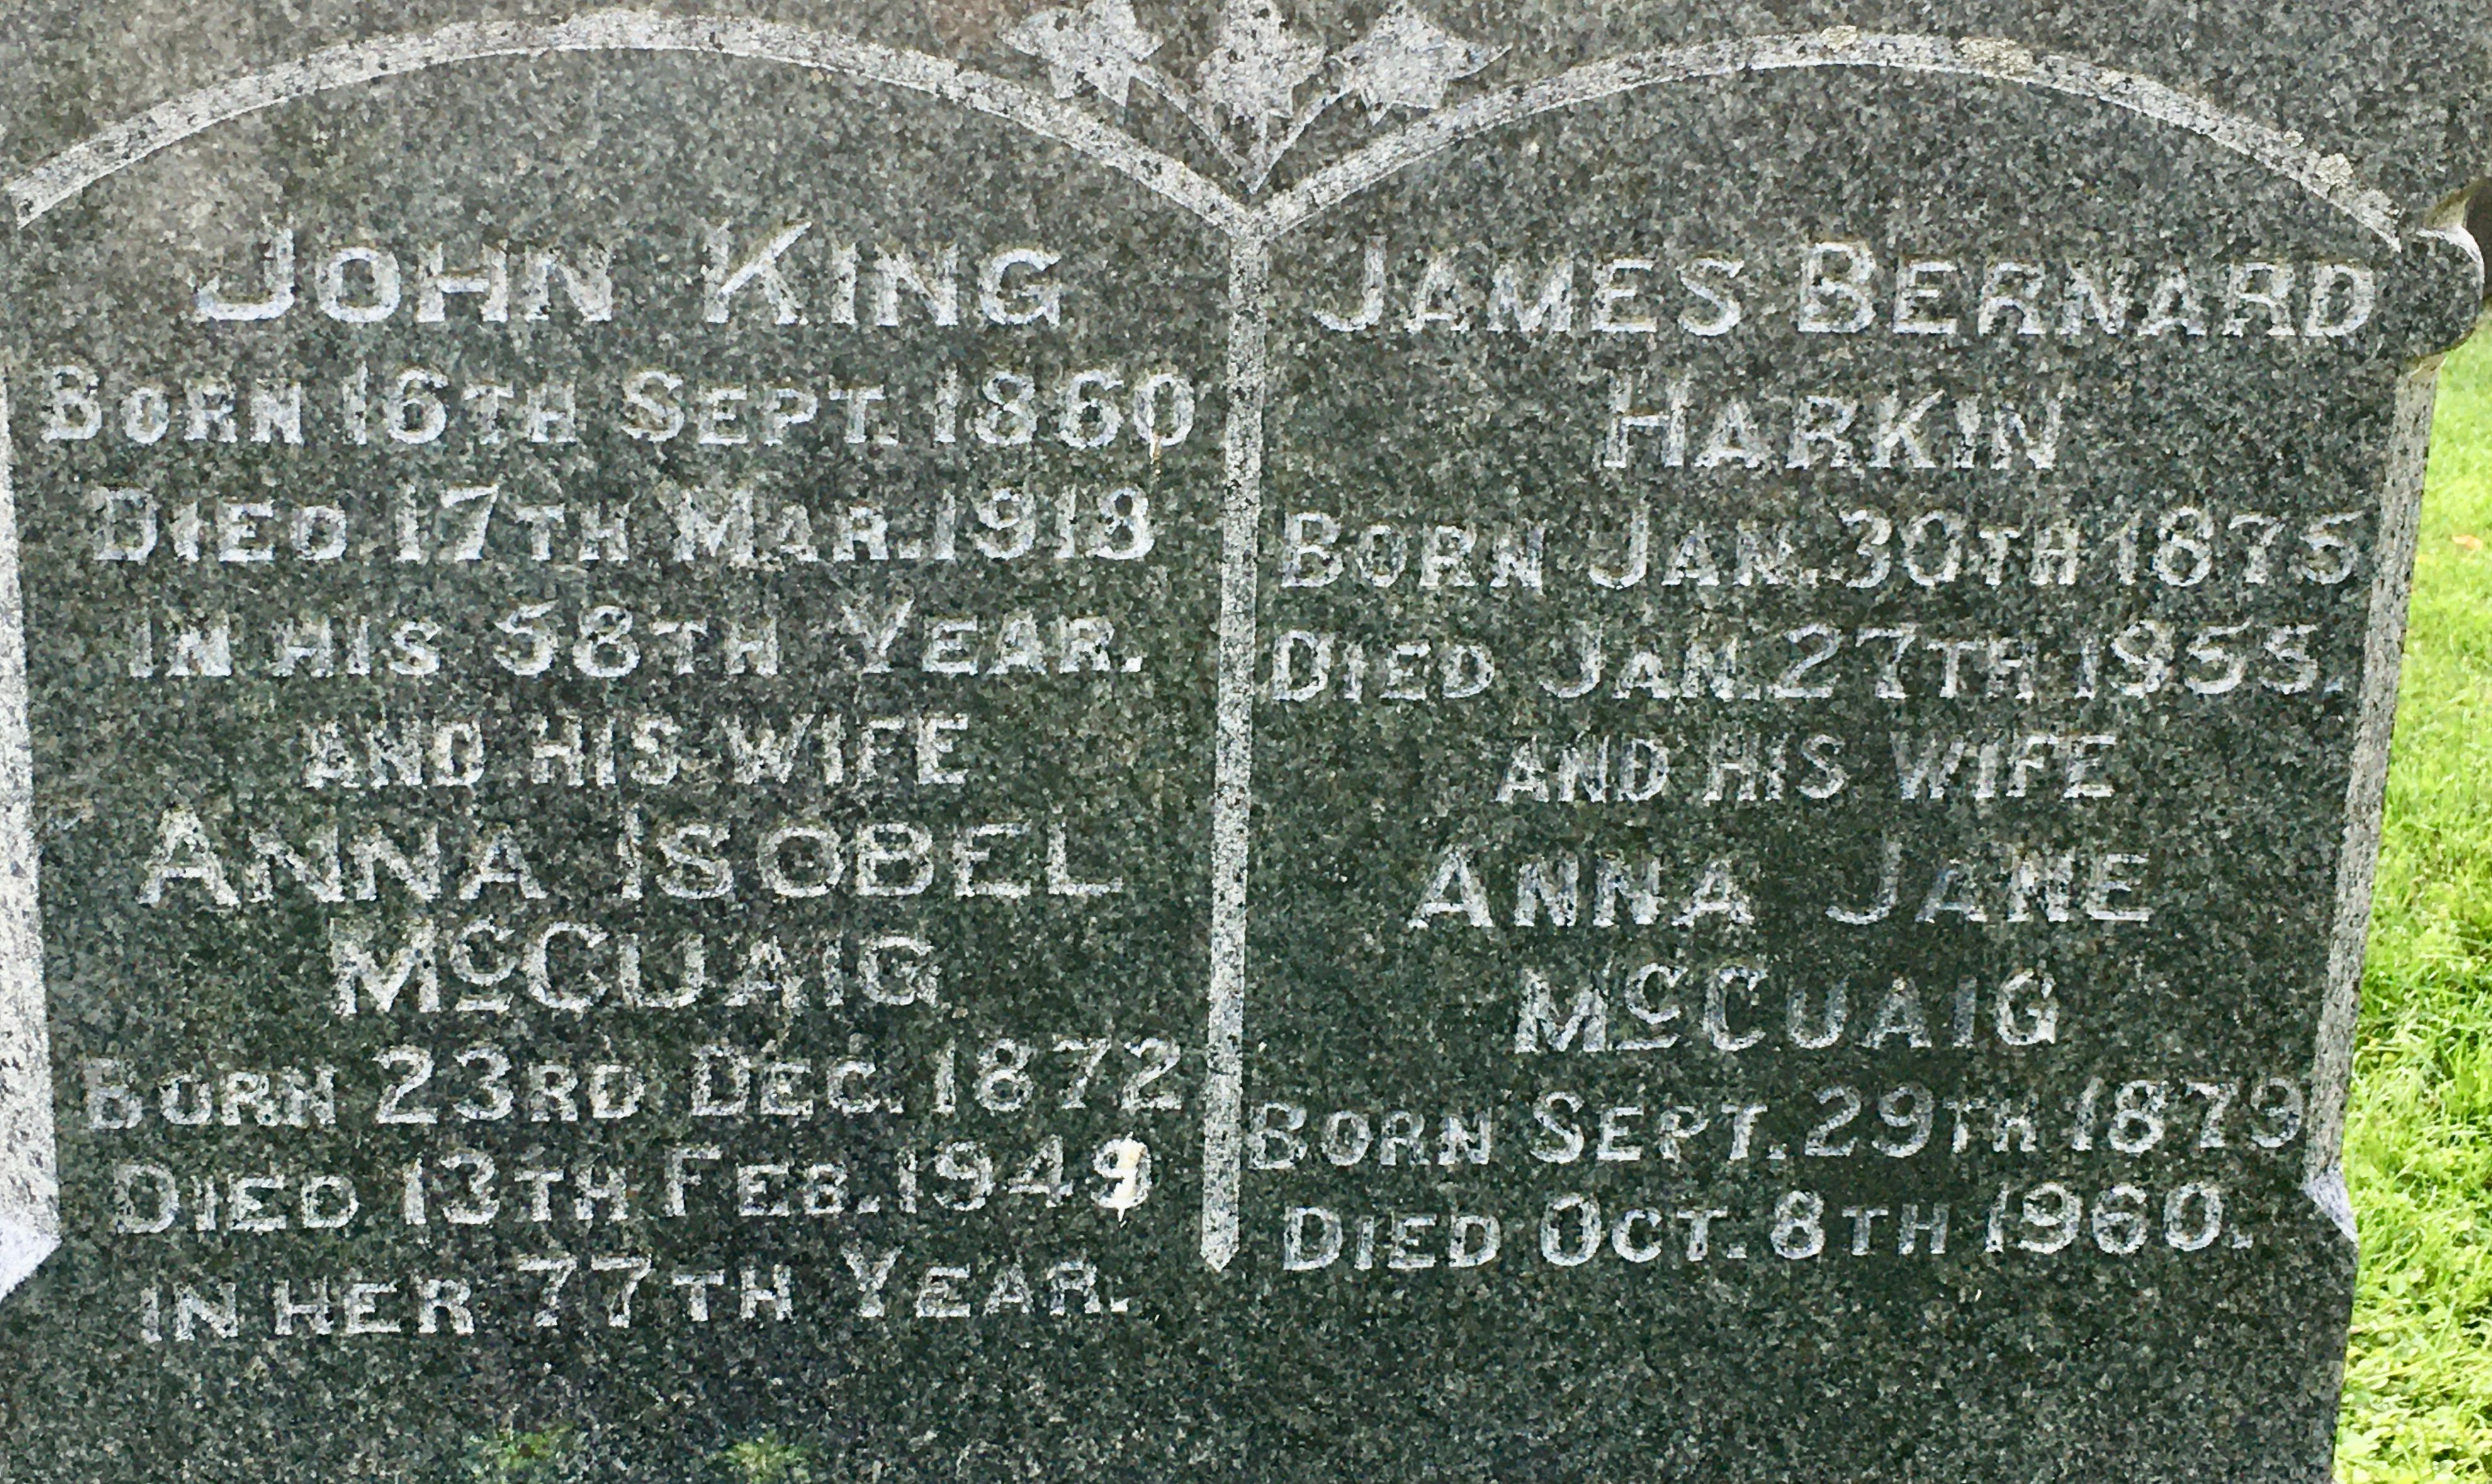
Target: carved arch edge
{"type": "Point", "coordinates": [2329, 178]}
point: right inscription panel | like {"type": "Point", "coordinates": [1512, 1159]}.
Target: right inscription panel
{"type": "Point", "coordinates": [1811, 678]}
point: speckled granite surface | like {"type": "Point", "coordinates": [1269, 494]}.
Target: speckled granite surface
{"type": "Point", "coordinates": [1134, 742]}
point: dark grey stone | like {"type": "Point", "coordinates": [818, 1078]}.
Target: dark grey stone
{"type": "Point", "coordinates": [1617, 742]}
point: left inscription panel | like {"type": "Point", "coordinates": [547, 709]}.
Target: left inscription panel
{"type": "Point", "coordinates": [622, 704]}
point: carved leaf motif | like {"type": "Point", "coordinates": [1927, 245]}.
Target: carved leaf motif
{"type": "Point", "coordinates": [1407, 60]}
{"type": "Point", "coordinates": [1256, 62]}
{"type": "Point", "coordinates": [1101, 44]}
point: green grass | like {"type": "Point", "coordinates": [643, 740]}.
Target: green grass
{"type": "Point", "coordinates": [2418, 1140]}
{"type": "Point", "coordinates": [768, 1459]}
{"type": "Point", "coordinates": [514, 1457]}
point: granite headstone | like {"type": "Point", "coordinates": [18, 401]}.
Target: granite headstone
{"type": "Point", "coordinates": [1262, 740]}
